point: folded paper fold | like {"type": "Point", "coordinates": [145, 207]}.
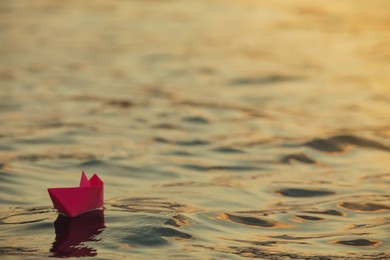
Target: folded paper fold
{"type": "Point", "coordinates": [74, 201]}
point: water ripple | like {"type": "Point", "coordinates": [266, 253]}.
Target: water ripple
{"type": "Point", "coordinates": [295, 192]}
{"type": "Point", "coordinates": [363, 206]}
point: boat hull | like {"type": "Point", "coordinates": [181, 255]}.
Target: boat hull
{"type": "Point", "coordinates": [74, 201]}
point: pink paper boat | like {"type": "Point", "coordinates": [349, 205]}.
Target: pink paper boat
{"type": "Point", "coordinates": [74, 201]}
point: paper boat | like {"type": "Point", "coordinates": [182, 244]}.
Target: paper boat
{"type": "Point", "coordinates": [74, 201]}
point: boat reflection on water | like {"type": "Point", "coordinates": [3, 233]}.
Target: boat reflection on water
{"type": "Point", "coordinates": [71, 233]}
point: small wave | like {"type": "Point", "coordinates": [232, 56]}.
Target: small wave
{"type": "Point", "coordinates": [300, 157]}
{"type": "Point", "coordinates": [359, 242]}
{"type": "Point", "coordinates": [269, 79]}
{"type": "Point", "coordinates": [363, 206]}
{"type": "Point", "coordinates": [294, 192]}
{"type": "Point", "coordinates": [311, 218]}
{"type": "Point", "coordinates": [337, 143]}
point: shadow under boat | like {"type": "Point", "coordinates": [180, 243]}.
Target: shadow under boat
{"type": "Point", "coordinates": [71, 233]}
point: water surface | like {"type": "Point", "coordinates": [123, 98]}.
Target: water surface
{"type": "Point", "coordinates": [222, 129]}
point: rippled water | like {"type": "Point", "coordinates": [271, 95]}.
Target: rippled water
{"type": "Point", "coordinates": [222, 129]}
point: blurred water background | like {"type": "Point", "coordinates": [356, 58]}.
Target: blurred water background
{"type": "Point", "coordinates": [223, 129]}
